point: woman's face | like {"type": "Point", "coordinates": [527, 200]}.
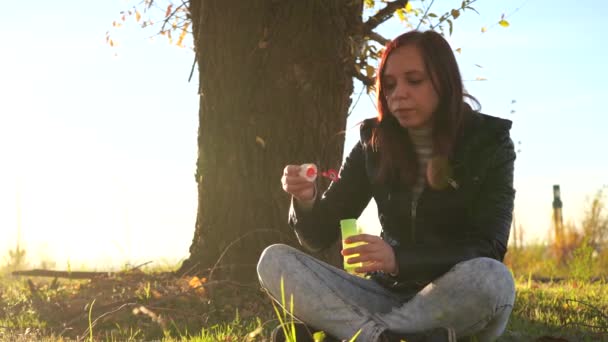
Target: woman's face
{"type": "Point", "coordinates": [408, 89]}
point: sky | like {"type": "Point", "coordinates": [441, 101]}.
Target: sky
{"type": "Point", "coordinates": [98, 144]}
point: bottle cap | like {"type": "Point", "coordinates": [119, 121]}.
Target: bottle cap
{"type": "Point", "coordinates": [308, 171]}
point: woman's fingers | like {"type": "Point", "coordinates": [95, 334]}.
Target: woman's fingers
{"type": "Point", "coordinates": [375, 254]}
{"type": "Point", "coordinates": [295, 180]}
{"type": "Point", "coordinates": [291, 170]}
{"type": "Point", "coordinates": [363, 238]}
{"type": "Point", "coordinates": [369, 267]}
{"type": "Point", "coordinates": [295, 189]}
{"type": "Point", "coordinates": [293, 183]}
{"type": "Point", "coordinates": [362, 258]}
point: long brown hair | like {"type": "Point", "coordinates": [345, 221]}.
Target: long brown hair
{"type": "Point", "coordinates": [398, 160]}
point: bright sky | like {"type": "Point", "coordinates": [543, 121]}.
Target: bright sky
{"type": "Point", "coordinates": [100, 151]}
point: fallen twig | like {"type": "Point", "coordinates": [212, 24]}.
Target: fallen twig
{"type": "Point", "coordinates": [62, 274]}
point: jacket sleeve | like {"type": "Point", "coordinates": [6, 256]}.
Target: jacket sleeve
{"type": "Point", "coordinates": [491, 223]}
{"type": "Point", "coordinates": [319, 227]}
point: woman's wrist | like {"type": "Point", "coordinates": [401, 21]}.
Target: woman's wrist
{"type": "Point", "coordinates": [306, 204]}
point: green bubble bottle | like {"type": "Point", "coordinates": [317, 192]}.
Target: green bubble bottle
{"type": "Point", "coordinates": [349, 227]}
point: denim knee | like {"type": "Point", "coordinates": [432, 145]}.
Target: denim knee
{"type": "Point", "coordinates": [272, 260]}
{"type": "Point", "coordinates": [495, 281]}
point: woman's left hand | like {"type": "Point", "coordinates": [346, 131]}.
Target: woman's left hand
{"type": "Point", "coordinates": [375, 254]}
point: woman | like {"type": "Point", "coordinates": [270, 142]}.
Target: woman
{"type": "Point", "coordinates": [442, 177]}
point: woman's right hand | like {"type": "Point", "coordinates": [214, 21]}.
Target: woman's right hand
{"type": "Point", "coordinates": [296, 185]}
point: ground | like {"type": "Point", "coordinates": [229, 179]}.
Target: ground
{"type": "Point", "coordinates": [137, 305]}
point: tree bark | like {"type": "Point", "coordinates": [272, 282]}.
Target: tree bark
{"type": "Point", "coordinates": [274, 90]}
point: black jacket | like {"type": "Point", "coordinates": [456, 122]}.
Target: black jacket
{"type": "Point", "coordinates": [444, 227]}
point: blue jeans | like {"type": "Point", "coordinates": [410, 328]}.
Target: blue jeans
{"type": "Point", "coordinates": [475, 297]}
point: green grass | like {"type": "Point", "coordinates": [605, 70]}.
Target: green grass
{"type": "Point", "coordinates": [575, 310]}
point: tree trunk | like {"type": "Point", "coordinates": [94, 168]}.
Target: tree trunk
{"type": "Point", "coordinates": [274, 90]}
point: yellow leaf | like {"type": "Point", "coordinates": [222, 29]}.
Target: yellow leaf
{"type": "Point", "coordinates": [479, 78]}
{"type": "Point", "coordinates": [408, 7]}
{"type": "Point", "coordinates": [483, 29]}
{"type": "Point", "coordinates": [180, 41]}
{"type": "Point", "coordinates": [459, 50]}
{"type": "Point", "coordinates": [260, 141]}
{"type": "Point", "coordinates": [400, 14]}
{"type": "Point", "coordinates": [195, 282]}
{"type": "Point", "coordinates": [503, 23]}
{"type": "Point", "coordinates": [137, 16]}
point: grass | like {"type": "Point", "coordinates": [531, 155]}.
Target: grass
{"type": "Point", "coordinates": [147, 303]}
{"type": "Point", "coordinates": [572, 309]}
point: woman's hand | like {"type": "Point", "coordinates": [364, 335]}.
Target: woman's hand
{"type": "Point", "coordinates": [297, 185]}
{"type": "Point", "coordinates": [376, 254]}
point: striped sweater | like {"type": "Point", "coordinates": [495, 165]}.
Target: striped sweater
{"type": "Point", "coordinates": [423, 144]}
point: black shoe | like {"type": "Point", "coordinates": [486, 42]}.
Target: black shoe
{"type": "Point", "coordinates": [303, 334]}
{"type": "Point", "coordinates": [434, 335]}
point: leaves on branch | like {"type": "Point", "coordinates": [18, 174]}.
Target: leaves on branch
{"type": "Point", "coordinates": [176, 20]}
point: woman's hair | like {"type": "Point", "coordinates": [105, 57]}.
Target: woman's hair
{"type": "Point", "coordinates": [397, 156]}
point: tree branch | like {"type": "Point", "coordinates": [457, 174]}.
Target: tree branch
{"type": "Point", "coordinates": [425, 14]}
{"type": "Point", "coordinates": [364, 79]}
{"type": "Point", "coordinates": [448, 15]}
{"type": "Point", "coordinates": [61, 274]}
{"type": "Point", "coordinates": [373, 35]}
{"type": "Point", "coordinates": [382, 15]}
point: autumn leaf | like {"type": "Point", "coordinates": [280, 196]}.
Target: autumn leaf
{"type": "Point", "coordinates": [168, 12]}
{"type": "Point", "coordinates": [180, 41]}
{"type": "Point", "coordinates": [459, 50]}
{"type": "Point", "coordinates": [455, 13]}
{"type": "Point", "coordinates": [483, 29]}
{"type": "Point", "coordinates": [195, 282]}
{"type": "Point", "coordinates": [408, 7]}
{"type": "Point", "coordinates": [137, 16]}
{"type": "Point", "coordinates": [401, 14]}
{"type": "Point", "coordinates": [503, 23]}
